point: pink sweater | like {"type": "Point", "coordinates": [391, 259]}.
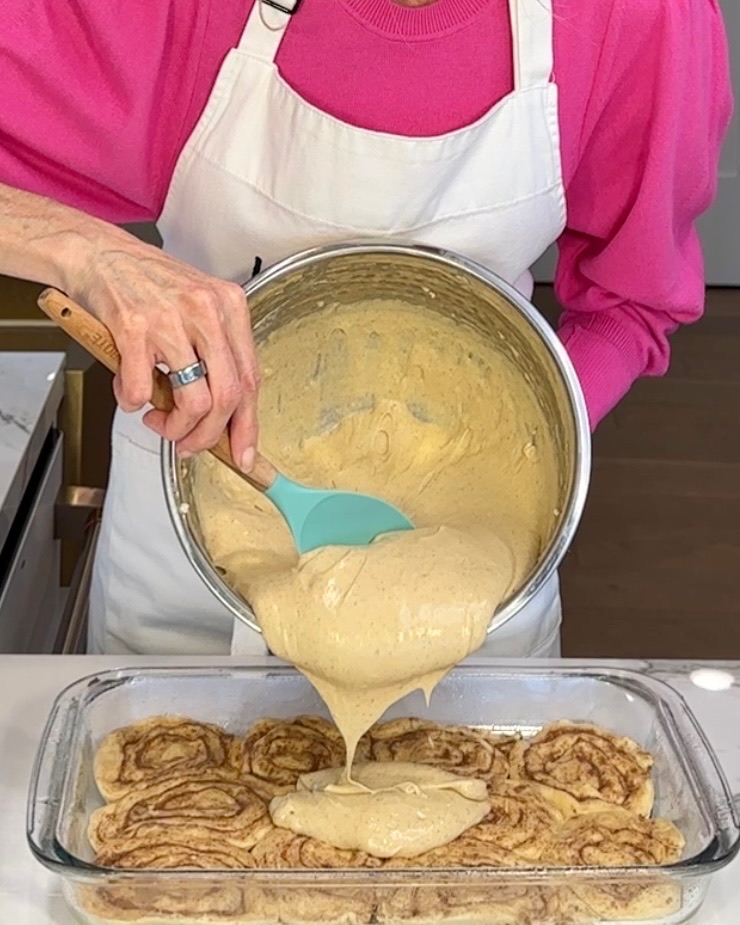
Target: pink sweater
{"type": "Point", "coordinates": [98, 98]}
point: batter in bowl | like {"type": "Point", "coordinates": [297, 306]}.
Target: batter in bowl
{"type": "Point", "coordinates": [412, 407]}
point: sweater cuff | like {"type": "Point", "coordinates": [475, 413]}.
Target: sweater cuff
{"type": "Point", "coordinates": [606, 369]}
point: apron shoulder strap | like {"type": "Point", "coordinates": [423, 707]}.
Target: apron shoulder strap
{"type": "Point", "coordinates": [265, 28]}
{"type": "Point", "coordinates": [532, 29]}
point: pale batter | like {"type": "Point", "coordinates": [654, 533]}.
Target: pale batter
{"type": "Point", "coordinates": [388, 400]}
{"type": "Point", "coordinates": [388, 810]}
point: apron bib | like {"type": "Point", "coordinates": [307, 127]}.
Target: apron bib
{"type": "Point", "coordinates": [283, 176]}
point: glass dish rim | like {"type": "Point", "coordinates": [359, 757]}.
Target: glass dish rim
{"type": "Point", "coordinates": [72, 699]}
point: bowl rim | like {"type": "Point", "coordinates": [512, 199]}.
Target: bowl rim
{"type": "Point", "coordinates": [559, 544]}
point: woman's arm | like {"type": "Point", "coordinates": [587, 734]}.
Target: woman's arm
{"type": "Point", "coordinates": [158, 309]}
{"type": "Point", "coordinates": [41, 240]}
{"type": "Point", "coordinates": [631, 268]}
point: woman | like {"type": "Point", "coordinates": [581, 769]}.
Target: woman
{"type": "Point", "coordinates": [252, 131]}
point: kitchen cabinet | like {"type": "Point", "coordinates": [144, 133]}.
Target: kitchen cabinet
{"type": "Point", "coordinates": [31, 451]}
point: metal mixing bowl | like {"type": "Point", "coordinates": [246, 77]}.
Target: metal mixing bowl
{"type": "Point", "coordinates": [440, 282]}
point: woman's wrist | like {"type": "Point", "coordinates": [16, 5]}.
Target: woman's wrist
{"type": "Point", "coordinates": [83, 252]}
{"type": "Point", "coordinates": [605, 370]}
{"type": "Point", "coordinates": [76, 254]}
{"type": "Point", "coordinates": [50, 243]}
{"type": "Point", "coordinates": [66, 257]}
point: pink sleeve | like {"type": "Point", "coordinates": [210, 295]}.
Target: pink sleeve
{"type": "Point", "coordinates": [94, 99]}
{"type": "Point", "coordinates": [631, 268]}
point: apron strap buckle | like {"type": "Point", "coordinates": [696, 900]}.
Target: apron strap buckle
{"type": "Point", "coordinates": [283, 6]}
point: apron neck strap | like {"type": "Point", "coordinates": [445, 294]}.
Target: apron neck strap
{"type": "Point", "coordinates": [532, 28]}
{"type": "Point", "coordinates": [265, 27]}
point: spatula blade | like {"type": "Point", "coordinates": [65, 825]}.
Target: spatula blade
{"type": "Point", "coordinates": [345, 519]}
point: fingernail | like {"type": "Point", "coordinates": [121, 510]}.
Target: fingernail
{"type": "Point", "coordinates": [184, 454]}
{"type": "Point", "coordinates": [247, 460]}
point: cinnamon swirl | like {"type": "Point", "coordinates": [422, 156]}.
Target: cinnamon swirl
{"type": "Point", "coordinates": [614, 838]}
{"type": "Point", "coordinates": [522, 817]}
{"type": "Point", "coordinates": [499, 904]}
{"type": "Point", "coordinates": [180, 902]}
{"type": "Point", "coordinates": [173, 851]}
{"type": "Point", "coordinates": [466, 851]}
{"type": "Point", "coordinates": [280, 751]}
{"type": "Point", "coordinates": [619, 901]}
{"type": "Point", "coordinates": [462, 750]}
{"type": "Point", "coordinates": [159, 747]}
{"type": "Point", "coordinates": [280, 849]}
{"type": "Point", "coordinates": [327, 906]}
{"type": "Point", "coordinates": [200, 809]}
{"type": "Point", "coordinates": [591, 764]}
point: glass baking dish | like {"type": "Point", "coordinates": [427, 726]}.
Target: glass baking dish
{"type": "Point", "coordinates": [690, 789]}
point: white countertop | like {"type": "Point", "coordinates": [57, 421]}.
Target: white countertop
{"type": "Point", "coordinates": [31, 389]}
{"type": "Point", "coordinates": [30, 895]}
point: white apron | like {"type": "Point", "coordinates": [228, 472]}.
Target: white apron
{"type": "Point", "coordinates": [265, 175]}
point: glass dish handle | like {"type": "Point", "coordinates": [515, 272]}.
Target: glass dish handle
{"type": "Point", "coordinates": [47, 783]}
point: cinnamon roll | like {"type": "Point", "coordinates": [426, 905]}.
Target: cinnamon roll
{"type": "Point", "coordinates": [589, 763]}
{"type": "Point", "coordinates": [326, 906]}
{"type": "Point", "coordinates": [173, 851]}
{"type": "Point", "coordinates": [280, 849]}
{"type": "Point", "coordinates": [467, 850]}
{"type": "Point", "coordinates": [499, 904]}
{"type": "Point", "coordinates": [522, 817]}
{"type": "Point", "coordinates": [614, 838]}
{"type": "Point", "coordinates": [197, 808]}
{"type": "Point", "coordinates": [620, 901]}
{"type": "Point", "coordinates": [159, 747]}
{"type": "Point", "coordinates": [613, 901]}
{"type": "Point", "coordinates": [462, 750]}
{"type": "Point", "coordinates": [180, 898]}
{"type": "Point", "coordinates": [279, 751]}
{"type": "Point", "coordinates": [151, 902]}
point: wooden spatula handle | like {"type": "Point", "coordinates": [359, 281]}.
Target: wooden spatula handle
{"type": "Point", "coordinates": [95, 337]}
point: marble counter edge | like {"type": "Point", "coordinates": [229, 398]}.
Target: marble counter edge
{"type": "Point", "coordinates": [25, 420]}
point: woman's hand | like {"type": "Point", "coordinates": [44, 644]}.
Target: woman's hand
{"type": "Point", "coordinates": [157, 309]}
{"type": "Point", "coordinates": [162, 311]}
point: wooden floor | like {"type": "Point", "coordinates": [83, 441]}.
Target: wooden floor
{"type": "Point", "coordinates": [655, 570]}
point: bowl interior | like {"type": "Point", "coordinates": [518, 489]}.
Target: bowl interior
{"type": "Point", "coordinates": [441, 286]}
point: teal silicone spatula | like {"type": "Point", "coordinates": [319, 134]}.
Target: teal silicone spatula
{"type": "Point", "coordinates": [316, 517]}
{"type": "Point", "coordinates": [319, 517]}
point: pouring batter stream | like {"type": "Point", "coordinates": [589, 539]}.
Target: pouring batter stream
{"type": "Point", "coordinates": [409, 406]}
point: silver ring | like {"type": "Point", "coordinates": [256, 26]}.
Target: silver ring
{"type": "Point", "coordinates": [188, 374]}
